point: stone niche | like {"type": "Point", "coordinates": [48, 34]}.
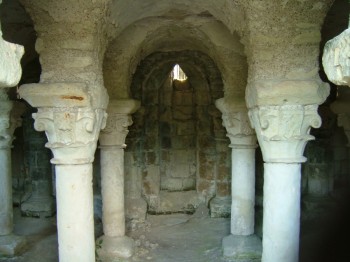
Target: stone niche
{"type": "Point", "coordinates": [177, 145]}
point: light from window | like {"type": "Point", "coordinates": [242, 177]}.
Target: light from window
{"type": "Point", "coordinates": [178, 74]}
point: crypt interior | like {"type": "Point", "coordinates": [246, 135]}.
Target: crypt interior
{"type": "Point", "coordinates": [178, 130]}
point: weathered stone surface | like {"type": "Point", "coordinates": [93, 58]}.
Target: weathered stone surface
{"type": "Point", "coordinates": [12, 245]}
{"type": "Point", "coordinates": [10, 67]}
{"type": "Point", "coordinates": [136, 208]}
{"type": "Point", "coordinates": [110, 248]}
{"type": "Point", "coordinates": [335, 59]}
{"type": "Point", "coordinates": [242, 247]}
{"type": "Point", "coordinates": [220, 207]}
{"type": "Point", "coordinates": [283, 131]}
{"type": "Point", "coordinates": [186, 201]}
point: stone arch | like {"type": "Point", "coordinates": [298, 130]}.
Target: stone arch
{"type": "Point", "coordinates": [178, 123]}
{"type": "Point", "coordinates": [137, 42]}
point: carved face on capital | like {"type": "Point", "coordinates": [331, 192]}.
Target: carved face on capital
{"type": "Point", "coordinates": [123, 122]}
{"type": "Point", "coordinates": [229, 121]}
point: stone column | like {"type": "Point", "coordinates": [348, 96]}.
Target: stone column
{"type": "Point", "coordinates": [72, 122]}
{"type": "Point", "coordinates": [336, 65]}
{"type": "Point", "coordinates": [242, 243]}
{"type": "Point", "coordinates": [10, 244]}
{"type": "Point", "coordinates": [114, 243]}
{"type": "Point", "coordinates": [38, 200]}
{"type": "Point", "coordinates": [282, 132]}
{"type": "Point", "coordinates": [10, 74]}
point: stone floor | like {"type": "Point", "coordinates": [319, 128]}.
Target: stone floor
{"type": "Point", "coordinates": [191, 238]}
{"type": "Point", "coordinates": [176, 237]}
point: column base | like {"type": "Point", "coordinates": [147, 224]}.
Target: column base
{"type": "Point", "coordinates": [242, 247]}
{"type": "Point", "coordinates": [220, 207]}
{"type": "Point", "coordinates": [12, 245]}
{"type": "Point", "coordinates": [38, 207]}
{"type": "Point", "coordinates": [136, 208]}
{"type": "Point", "coordinates": [109, 248]}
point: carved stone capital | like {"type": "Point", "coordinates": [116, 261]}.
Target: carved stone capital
{"type": "Point", "coordinates": [70, 117]}
{"type": "Point", "coordinates": [235, 120]}
{"type": "Point", "coordinates": [5, 130]}
{"type": "Point", "coordinates": [336, 59]}
{"type": "Point", "coordinates": [10, 119]}
{"type": "Point", "coordinates": [118, 121]}
{"type": "Point", "coordinates": [72, 132]}
{"type": "Point", "coordinates": [10, 66]}
{"type": "Point", "coordinates": [283, 131]}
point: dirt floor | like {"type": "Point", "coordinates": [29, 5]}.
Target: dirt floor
{"type": "Point", "coordinates": [162, 238]}
{"type": "Point", "coordinates": [191, 238]}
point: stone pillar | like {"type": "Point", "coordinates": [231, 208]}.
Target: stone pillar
{"type": "Point", "coordinates": [38, 200]}
{"type": "Point", "coordinates": [336, 65]}
{"type": "Point", "coordinates": [10, 244]}
{"type": "Point", "coordinates": [282, 132]}
{"type": "Point", "coordinates": [10, 74]}
{"type": "Point", "coordinates": [114, 243]}
{"type": "Point", "coordinates": [72, 122]}
{"type": "Point", "coordinates": [242, 243]}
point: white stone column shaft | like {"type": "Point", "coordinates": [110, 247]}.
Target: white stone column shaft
{"type": "Point", "coordinates": [241, 243]}
{"type": "Point", "coordinates": [283, 132]}
{"type": "Point", "coordinates": [114, 242]}
{"type": "Point", "coordinates": [112, 183]}
{"type": "Point", "coordinates": [75, 220]}
{"type": "Point", "coordinates": [6, 209]}
{"type": "Point", "coordinates": [281, 212]}
{"type": "Point", "coordinates": [72, 123]}
{"type": "Point", "coordinates": [243, 190]}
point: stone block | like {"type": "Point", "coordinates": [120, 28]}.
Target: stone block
{"type": "Point", "coordinates": [151, 98]}
{"type": "Point", "coordinates": [164, 128]}
{"type": "Point", "coordinates": [185, 128]}
{"type": "Point", "coordinates": [183, 156]}
{"type": "Point", "coordinates": [150, 142]}
{"type": "Point", "coordinates": [207, 143]}
{"type": "Point", "coordinates": [151, 158]}
{"type": "Point", "coordinates": [183, 201]}
{"type": "Point", "coordinates": [110, 248]}
{"type": "Point", "coordinates": [135, 208]}
{"type": "Point", "coordinates": [166, 142]}
{"type": "Point", "coordinates": [206, 171]}
{"type": "Point", "coordinates": [151, 127]}
{"type": "Point", "coordinates": [171, 184]}
{"type": "Point", "coordinates": [223, 173]}
{"type": "Point", "coordinates": [204, 127]}
{"type": "Point", "coordinates": [183, 142]}
{"type": "Point", "coordinates": [151, 180]}
{"type": "Point", "coordinates": [184, 98]}
{"type": "Point", "coordinates": [12, 245]}
{"type": "Point", "coordinates": [189, 184]}
{"type": "Point", "coordinates": [183, 113]}
{"type": "Point", "coordinates": [223, 188]}
{"type": "Point", "coordinates": [247, 248]}
{"type": "Point", "coordinates": [220, 207]}
{"type": "Point", "coordinates": [202, 98]}
{"type": "Point", "coordinates": [206, 187]}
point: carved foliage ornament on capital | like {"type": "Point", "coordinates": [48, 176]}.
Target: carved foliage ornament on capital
{"type": "Point", "coordinates": [283, 131]}
{"type": "Point", "coordinates": [5, 124]}
{"type": "Point", "coordinates": [72, 132]}
{"type": "Point", "coordinates": [116, 130]}
{"type": "Point", "coordinates": [238, 128]}
{"type": "Point", "coordinates": [336, 59]}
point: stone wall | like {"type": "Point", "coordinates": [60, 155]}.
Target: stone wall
{"type": "Point", "coordinates": [177, 142]}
